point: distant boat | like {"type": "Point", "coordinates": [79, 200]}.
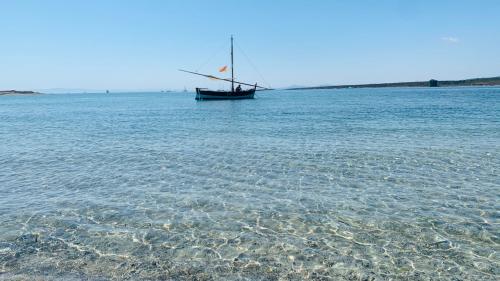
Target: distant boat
{"type": "Point", "coordinates": [234, 94]}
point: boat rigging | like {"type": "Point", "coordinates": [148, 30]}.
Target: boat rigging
{"type": "Point", "coordinates": [238, 93]}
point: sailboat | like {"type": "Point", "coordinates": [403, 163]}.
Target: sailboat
{"type": "Point", "coordinates": [234, 94]}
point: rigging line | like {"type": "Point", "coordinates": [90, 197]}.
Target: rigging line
{"type": "Point", "coordinates": [214, 54]}
{"type": "Point", "coordinates": [253, 66]}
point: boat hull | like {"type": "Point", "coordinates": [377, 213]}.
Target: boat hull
{"type": "Point", "coordinates": [202, 94]}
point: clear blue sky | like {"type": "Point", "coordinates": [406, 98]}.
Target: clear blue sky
{"type": "Point", "coordinates": [134, 45]}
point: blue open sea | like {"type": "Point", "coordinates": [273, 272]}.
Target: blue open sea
{"type": "Point", "coordinates": [354, 184]}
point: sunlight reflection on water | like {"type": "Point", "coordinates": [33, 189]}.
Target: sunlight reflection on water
{"type": "Point", "coordinates": [346, 184]}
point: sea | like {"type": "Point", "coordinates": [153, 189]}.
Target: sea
{"type": "Point", "coordinates": [351, 184]}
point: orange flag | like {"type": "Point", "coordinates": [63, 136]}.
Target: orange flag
{"type": "Point", "coordinates": [223, 69]}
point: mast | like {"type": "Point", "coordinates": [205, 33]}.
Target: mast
{"type": "Point", "coordinates": [232, 66]}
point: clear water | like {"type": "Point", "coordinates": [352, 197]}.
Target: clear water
{"type": "Point", "coordinates": [346, 184]}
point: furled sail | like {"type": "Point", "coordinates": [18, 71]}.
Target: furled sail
{"type": "Point", "coordinates": [223, 79]}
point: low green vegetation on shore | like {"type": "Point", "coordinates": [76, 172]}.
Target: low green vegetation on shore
{"type": "Point", "coordinates": [493, 81]}
{"type": "Point", "coordinates": [14, 92]}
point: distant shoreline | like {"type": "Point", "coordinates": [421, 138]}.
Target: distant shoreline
{"type": "Point", "coordinates": [493, 81]}
{"type": "Point", "coordinates": [17, 93]}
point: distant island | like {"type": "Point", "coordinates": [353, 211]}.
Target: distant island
{"type": "Point", "coordinates": [14, 92]}
{"type": "Point", "coordinates": [493, 81]}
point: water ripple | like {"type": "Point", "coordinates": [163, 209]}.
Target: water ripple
{"type": "Point", "coordinates": [345, 185]}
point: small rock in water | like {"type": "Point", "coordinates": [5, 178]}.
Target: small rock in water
{"type": "Point", "coordinates": [28, 238]}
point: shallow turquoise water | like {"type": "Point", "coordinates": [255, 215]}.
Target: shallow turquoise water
{"type": "Point", "coordinates": [345, 184]}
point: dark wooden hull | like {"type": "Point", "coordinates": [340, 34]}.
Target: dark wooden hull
{"type": "Point", "coordinates": [202, 94]}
